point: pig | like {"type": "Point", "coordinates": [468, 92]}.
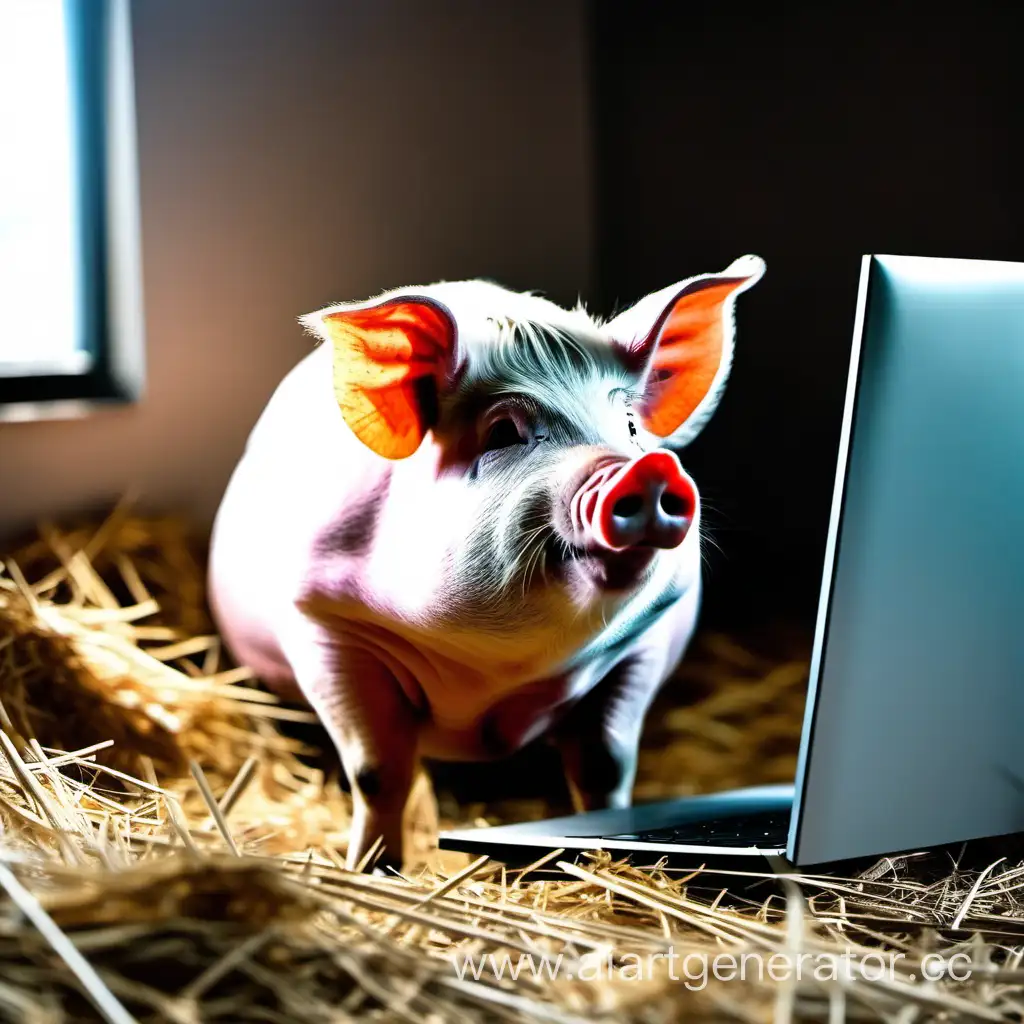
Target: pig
{"type": "Point", "coordinates": [461, 523]}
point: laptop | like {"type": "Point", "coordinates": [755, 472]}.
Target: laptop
{"type": "Point", "coordinates": [913, 734]}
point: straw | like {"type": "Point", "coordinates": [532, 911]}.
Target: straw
{"type": "Point", "coordinates": [167, 855]}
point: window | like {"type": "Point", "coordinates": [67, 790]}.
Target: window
{"type": "Point", "coordinates": [70, 283]}
{"type": "Point", "coordinates": [37, 270]}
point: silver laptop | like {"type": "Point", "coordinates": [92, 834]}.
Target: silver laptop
{"type": "Point", "coordinates": [913, 734]}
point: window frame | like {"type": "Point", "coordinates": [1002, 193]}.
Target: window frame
{"type": "Point", "coordinates": [108, 243]}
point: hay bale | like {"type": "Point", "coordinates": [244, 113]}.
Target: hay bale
{"type": "Point", "coordinates": [63, 688]}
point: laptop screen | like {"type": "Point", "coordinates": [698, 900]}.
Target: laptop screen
{"type": "Point", "coordinates": [915, 714]}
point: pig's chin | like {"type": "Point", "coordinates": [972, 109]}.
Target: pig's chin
{"type": "Point", "coordinates": [611, 572]}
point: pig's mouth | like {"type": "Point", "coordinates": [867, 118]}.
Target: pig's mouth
{"type": "Point", "coordinates": [608, 570]}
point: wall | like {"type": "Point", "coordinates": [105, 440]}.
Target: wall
{"type": "Point", "coordinates": [297, 154]}
{"type": "Point", "coordinates": [808, 133]}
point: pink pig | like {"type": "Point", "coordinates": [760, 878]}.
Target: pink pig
{"type": "Point", "coordinates": [459, 524]}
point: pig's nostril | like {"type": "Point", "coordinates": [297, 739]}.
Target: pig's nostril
{"type": "Point", "coordinates": [674, 505]}
{"type": "Point", "coordinates": [628, 506]}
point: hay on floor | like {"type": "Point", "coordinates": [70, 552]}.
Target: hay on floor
{"type": "Point", "coordinates": [167, 855]}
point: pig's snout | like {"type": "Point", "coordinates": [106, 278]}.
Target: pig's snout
{"type": "Point", "coordinates": [648, 502]}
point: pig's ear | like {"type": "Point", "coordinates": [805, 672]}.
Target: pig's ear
{"type": "Point", "coordinates": [391, 361]}
{"type": "Point", "coordinates": [680, 340]}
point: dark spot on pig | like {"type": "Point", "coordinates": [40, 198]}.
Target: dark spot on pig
{"type": "Point", "coordinates": [356, 533]}
{"type": "Point", "coordinates": [368, 781]}
{"type": "Point", "coordinates": [354, 529]}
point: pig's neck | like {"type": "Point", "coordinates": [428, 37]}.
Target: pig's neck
{"type": "Point", "coordinates": [459, 672]}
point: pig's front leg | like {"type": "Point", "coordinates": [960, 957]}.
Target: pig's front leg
{"type": "Point", "coordinates": [600, 737]}
{"type": "Point", "coordinates": [373, 726]}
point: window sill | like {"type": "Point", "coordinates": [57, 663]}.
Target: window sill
{"type": "Point", "coordinates": [29, 397]}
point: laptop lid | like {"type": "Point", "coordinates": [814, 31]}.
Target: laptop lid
{"type": "Point", "coordinates": [914, 729]}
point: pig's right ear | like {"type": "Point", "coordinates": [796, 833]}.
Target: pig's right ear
{"type": "Point", "coordinates": [679, 340]}
{"type": "Point", "coordinates": [390, 362]}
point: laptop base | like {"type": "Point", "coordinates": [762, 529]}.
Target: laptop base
{"type": "Point", "coordinates": [739, 831]}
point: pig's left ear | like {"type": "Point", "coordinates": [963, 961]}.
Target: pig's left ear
{"type": "Point", "coordinates": [680, 340]}
{"type": "Point", "coordinates": [391, 361]}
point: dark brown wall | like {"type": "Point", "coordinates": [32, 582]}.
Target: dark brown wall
{"type": "Point", "coordinates": [810, 134]}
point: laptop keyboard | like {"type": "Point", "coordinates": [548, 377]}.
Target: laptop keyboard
{"type": "Point", "coordinates": [768, 829]}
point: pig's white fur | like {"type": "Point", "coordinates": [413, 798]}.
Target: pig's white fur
{"type": "Point", "coordinates": [460, 625]}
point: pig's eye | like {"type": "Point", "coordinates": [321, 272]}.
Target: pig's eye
{"type": "Point", "coordinates": [504, 433]}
